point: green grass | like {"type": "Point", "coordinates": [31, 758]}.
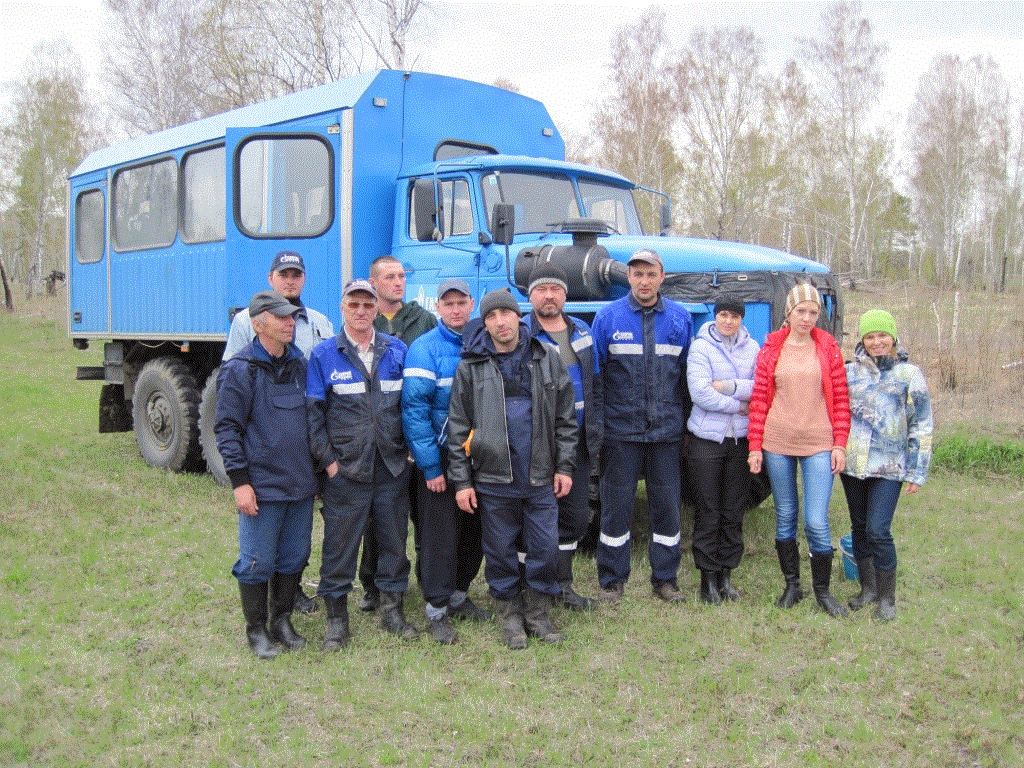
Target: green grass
{"type": "Point", "coordinates": [979, 455]}
{"type": "Point", "coordinates": [121, 639]}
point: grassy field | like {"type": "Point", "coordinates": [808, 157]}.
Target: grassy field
{"type": "Point", "coordinates": [121, 639]}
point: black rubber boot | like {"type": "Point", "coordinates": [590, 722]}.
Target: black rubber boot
{"type": "Point", "coordinates": [336, 635]}
{"type": "Point", "coordinates": [510, 622]}
{"type": "Point", "coordinates": [392, 617]}
{"type": "Point", "coordinates": [886, 583]}
{"type": "Point", "coordinates": [282, 590]}
{"type": "Point", "coordinates": [821, 575]}
{"type": "Point", "coordinates": [303, 602]}
{"type": "Point", "coordinates": [709, 588]}
{"type": "Point", "coordinates": [536, 618]}
{"type": "Point", "coordinates": [725, 587]}
{"type": "Point", "coordinates": [254, 606]}
{"type": "Point", "coordinates": [789, 563]}
{"type": "Point", "coordinates": [868, 591]}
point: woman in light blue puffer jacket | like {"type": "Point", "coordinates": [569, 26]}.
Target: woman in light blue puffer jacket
{"type": "Point", "coordinates": [720, 374]}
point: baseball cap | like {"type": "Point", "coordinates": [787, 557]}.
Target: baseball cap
{"type": "Point", "coordinates": [359, 285]}
{"type": "Point", "coordinates": [647, 256]}
{"type": "Point", "coordinates": [453, 284]}
{"type": "Point", "coordinates": [272, 302]}
{"type": "Point", "coordinates": [287, 260]}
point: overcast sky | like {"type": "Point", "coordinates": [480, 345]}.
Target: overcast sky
{"type": "Point", "coordinates": [558, 52]}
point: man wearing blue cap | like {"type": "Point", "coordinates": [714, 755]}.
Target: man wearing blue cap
{"type": "Point", "coordinates": [450, 548]}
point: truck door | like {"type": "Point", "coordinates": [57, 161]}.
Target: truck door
{"type": "Point", "coordinates": [437, 237]}
{"type": "Point", "coordinates": [88, 262]}
{"type": "Point", "coordinates": [283, 192]}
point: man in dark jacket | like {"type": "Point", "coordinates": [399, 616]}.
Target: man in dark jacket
{"type": "Point", "coordinates": [572, 339]}
{"type": "Point", "coordinates": [642, 340]}
{"type": "Point", "coordinates": [261, 434]}
{"type": "Point", "coordinates": [354, 392]}
{"type": "Point", "coordinates": [512, 443]}
{"type": "Point", "coordinates": [405, 320]}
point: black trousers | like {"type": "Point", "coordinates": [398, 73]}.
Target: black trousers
{"type": "Point", "coordinates": [368, 559]}
{"type": "Point", "coordinates": [450, 543]}
{"type": "Point", "coordinates": [720, 479]}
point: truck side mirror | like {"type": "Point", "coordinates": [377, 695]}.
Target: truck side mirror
{"type": "Point", "coordinates": [666, 219]}
{"type": "Point", "coordinates": [503, 223]}
{"type": "Point", "coordinates": [424, 210]}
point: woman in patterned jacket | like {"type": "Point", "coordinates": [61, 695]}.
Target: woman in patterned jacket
{"type": "Point", "coordinates": [890, 444]}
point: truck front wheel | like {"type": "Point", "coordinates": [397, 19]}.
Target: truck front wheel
{"type": "Point", "coordinates": [207, 421]}
{"type": "Point", "coordinates": [165, 410]}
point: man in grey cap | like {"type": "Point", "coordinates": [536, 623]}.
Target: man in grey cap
{"type": "Point", "coordinates": [512, 410]}
{"type": "Point", "coordinates": [354, 399]}
{"type": "Point", "coordinates": [287, 277]}
{"type": "Point", "coordinates": [261, 433]}
{"type": "Point", "coordinates": [642, 341]}
{"type": "Point", "coordinates": [450, 550]}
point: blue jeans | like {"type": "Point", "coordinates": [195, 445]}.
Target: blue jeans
{"type": "Point", "coordinates": [816, 473]}
{"type": "Point", "coordinates": [872, 502]}
{"type": "Point", "coordinates": [506, 521]}
{"type": "Point", "coordinates": [276, 540]}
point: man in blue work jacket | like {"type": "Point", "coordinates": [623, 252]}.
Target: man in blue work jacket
{"type": "Point", "coordinates": [354, 393]}
{"type": "Point", "coordinates": [572, 339]}
{"type": "Point", "coordinates": [642, 341]}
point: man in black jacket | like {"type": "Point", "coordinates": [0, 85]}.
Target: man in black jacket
{"type": "Point", "coordinates": [261, 434]}
{"type": "Point", "coordinates": [512, 440]}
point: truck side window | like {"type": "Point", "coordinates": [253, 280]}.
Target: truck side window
{"type": "Point", "coordinates": [89, 226]}
{"type": "Point", "coordinates": [455, 209]}
{"type": "Point", "coordinates": [284, 186]}
{"type": "Point", "coordinates": [202, 181]}
{"type": "Point", "coordinates": [146, 206]}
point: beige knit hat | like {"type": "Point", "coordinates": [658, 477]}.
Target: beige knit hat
{"type": "Point", "coordinates": [801, 292]}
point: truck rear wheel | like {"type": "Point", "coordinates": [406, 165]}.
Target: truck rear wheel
{"type": "Point", "coordinates": [207, 421]}
{"type": "Point", "coordinates": [165, 410]}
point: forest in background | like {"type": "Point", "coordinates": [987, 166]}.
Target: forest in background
{"type": "Point", "coordinates": [799, 159]}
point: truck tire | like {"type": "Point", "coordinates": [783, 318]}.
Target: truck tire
{"type": "Point", "coordinates": [165, 411]}
{"type": "Point", "coordinates": [207, 421]}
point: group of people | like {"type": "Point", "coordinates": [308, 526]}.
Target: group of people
{"type": "Point", "coordinates": [488, 433]}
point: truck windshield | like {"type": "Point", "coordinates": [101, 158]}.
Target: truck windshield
{"type": "Point", "coordinates": [543, 200]}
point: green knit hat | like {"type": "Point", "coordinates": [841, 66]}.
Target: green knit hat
{"type": "Point", "coordinates": [877, 320]}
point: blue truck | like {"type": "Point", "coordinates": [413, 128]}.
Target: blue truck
{"type": "Point", "coordinates": [170, 234]}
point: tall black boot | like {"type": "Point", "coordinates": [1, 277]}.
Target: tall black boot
{"type": "Point", "coordinates": [868, 591]}
{"type": "Point", "coordinates": [725, 587]}
{"type": "Point", "coordinates": [254, 606]}
{"type": "Point", "coordinates": [536, 618]}
{"type": "Point", "coordinates": [283, 587]}
{"type": "Point", "coordinates": [821, 575]}
{"type": "Point", "coordinates": [886, 581]}
{"type": "Point", "coordinates": [510, 622]}
{"type": "Point", "coordinates": [709, 588]}
{"type": "Point", "coordinates": [392, 618]}
{"type": "Point", "coordinates": [789, 563]}
{"type": "Point", "coordinates": [336, 635]}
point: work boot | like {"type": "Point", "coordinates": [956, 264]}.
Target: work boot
{"type": "Point", "coordinates": [392, 618]}
{"type": "Point", "coordinates": [789, 563]}
{"type": "Point", "coordinates": [725, 587]}
{"type": "Point", "coordinates": [821, 579]}
{"type": "Point", "coordinates": [336, 635]}
{"type": "Point", "coordinates": [573, 601]}
{"type": "Point", "coordinates": [868, 591]}
{"type": "Point", "coordinates": [303, 602]}
{"type": "Point", "coordinates": [886, 583]}
{"type": "Point", "coordinates": [283, 587]}
{"type": "Point", "coordinates": [370, 601]}
{"type": "Point", "coordinates": [442, 631]}
{"type": "Point", "coordinates": [668, 591]}
{"type": "Point", "coordinates": [510, 622]}
{"type": "Point", "coordinates": [254, 607]}
{"type": "Point", "coordinates": [536, 618]}
{"type": "Point", "coordinates": [612, 593]}
{"type": "Point", "coordinates": [467, 610]}
{"type": "Point", "coordinates": [709, 588]}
